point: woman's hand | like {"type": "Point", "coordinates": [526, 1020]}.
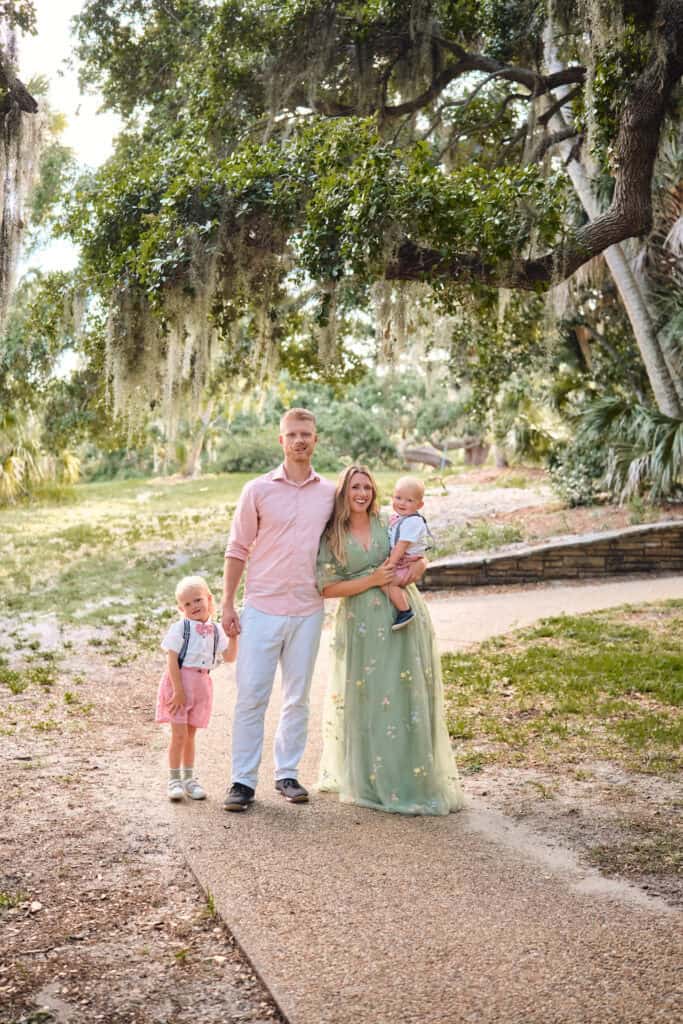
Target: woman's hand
{"type": "Point", "coordinates": [382, 576]}
{"type": "Point", "coordinates": [417, 570]}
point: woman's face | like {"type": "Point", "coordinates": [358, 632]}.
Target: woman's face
{"type": "Point", "coordinates": [361, 493]}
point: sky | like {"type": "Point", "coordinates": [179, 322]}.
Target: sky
{"type": "Point", "coordinates": [87, 132]}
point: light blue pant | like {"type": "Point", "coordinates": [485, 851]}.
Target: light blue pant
{"type": "Point", "coordinates": [265, 640]}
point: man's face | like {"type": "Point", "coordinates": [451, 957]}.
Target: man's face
{"type": "Point", "coordinates": [298, 439]}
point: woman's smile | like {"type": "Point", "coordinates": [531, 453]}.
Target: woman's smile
{"type": "Point", "coordinates": [361, 492]}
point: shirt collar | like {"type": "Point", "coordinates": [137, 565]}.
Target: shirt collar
{"type": "Point", "coordinates": [281, 474]}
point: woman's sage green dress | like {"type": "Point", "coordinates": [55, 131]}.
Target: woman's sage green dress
{"type": "Point", "coordinates": [385, 743]}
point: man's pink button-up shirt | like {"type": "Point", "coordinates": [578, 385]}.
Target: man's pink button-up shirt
{"type": "Point", "coordinates": [277, 528]}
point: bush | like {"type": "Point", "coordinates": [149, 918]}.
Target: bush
{"type": "Point", "coordinates": [349, 432]}
{"type": "Point", "coordinates": [577, 471]}
{"type": "Point", "coordinates": [116, 464]}
{"type": "Point", "coordinates": [256, 452]}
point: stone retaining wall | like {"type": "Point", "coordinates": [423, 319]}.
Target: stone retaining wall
{"type": "Point", "coordinates": [656, 548]}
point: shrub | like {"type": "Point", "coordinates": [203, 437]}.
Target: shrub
{"type": "Point", "coordinates": [577, 471]}
{"type": "Point", "coordinates": [256, 452]}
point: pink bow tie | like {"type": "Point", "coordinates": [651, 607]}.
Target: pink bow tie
{"type": "Point", "coordinates": [205, 628]}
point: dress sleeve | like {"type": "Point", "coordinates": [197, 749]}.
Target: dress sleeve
{"type": "Point", "coordinates": [173, 640]}
{"type": "Point", "coordinates": [328, 569]}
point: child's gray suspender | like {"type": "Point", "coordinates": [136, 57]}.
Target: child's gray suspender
{"type": "Point", "coordinates": [412, 516]}
{"type": "Point", "coordinates": [186, 641]}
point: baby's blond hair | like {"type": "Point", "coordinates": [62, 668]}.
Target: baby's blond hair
{"type": "Point", "coordinates": [191, 581]}
{"type": "Point", "coordinates": [414, 483]}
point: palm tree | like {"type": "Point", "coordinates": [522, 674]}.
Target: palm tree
{"type": "Point", "coordinates": [666, 384]}
{"type": "Point", "coordinates": [20, 455]}
{"type": "Point", "coordinates": [645, 447]}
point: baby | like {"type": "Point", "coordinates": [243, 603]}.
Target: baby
{"type": "Point", "coordinates": [408, 534]}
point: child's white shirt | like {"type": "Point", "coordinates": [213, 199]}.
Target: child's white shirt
{"type": "Point", "coordinates": [414, 529]}
{"type": "Point", "coordinates": [200, 647]}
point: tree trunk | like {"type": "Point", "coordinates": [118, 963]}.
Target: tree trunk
{"type": "Point", "coordinates": [476, 454]}
{"type": "Point", "coordinates": [191, 468]}
{"type": "Point", "coordinates": [500, 457]}
{"type": "Point", "coordinates": [20, 140]}
{"type": "Point", "coordinates": [426, 457]}
{"type": "Point", "coordinates": [661, 381]}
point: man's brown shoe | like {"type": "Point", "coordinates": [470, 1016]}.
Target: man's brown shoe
{"type": "Point", "coordinates": [292, 791]}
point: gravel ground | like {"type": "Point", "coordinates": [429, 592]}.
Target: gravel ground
{"type": "Point", "coordinates": [100, 917]}
{"type": "Point", "coordinates": [357, 917]}
{"type": "Point", "coordinates": [102, 920]}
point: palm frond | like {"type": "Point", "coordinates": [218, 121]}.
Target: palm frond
{"type": "Point", "coordinates": [645, 447]}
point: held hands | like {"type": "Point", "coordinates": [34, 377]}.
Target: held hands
{"type": "Point", "coordinates": [230, 620]}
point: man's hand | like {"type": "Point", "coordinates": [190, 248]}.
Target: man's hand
{"type": "Point", "coordinates": [417, 570]}
{"type": "Point", "coordinates": [230, 620]}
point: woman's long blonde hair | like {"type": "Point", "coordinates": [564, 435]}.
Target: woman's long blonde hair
{"type": "Point", "coordinates": [338, 524]}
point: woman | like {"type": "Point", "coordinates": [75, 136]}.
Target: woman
{"type": "Point", "coordinates": [385, 743]}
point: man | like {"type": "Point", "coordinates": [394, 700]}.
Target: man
{"type": "Point", "coordinates": [277, 527]}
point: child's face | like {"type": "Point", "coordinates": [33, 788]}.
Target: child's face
{"type": "Point", "coordinates": [195, 603]}
{"type": "Point", "coordinates": [406, 499]}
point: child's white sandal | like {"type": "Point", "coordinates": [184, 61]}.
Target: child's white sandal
{"type": "Point", "coordinates": [176, 790]}
{"type": "Point", "coordinates": [194, 790]}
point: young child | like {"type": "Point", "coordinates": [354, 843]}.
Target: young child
{"type": "Point", "coordinates": [408, 534]}
{"type": "Point", "coordinates": [185, 694]}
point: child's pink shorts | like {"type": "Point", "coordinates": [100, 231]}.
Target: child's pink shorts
{"type": "Point", "coordinates": [402, 569]}
{"type": "Point", "coordinates": [198, 689]}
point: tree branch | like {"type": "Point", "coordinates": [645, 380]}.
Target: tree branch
{"type": "Point", "coordinates": [465, 64]}
{"type": "Point", "coordinates": [558, 104]}
{"type": "Point", "coordinates": [630, 213]}
{"type": "Point", "coordinates": [548, 141]}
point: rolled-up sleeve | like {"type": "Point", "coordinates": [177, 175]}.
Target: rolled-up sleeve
{"type": "Point", "coordinates": [244, 525]}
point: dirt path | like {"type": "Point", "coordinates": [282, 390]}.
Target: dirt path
{"type": "Point", "coordinates": [100, 917]}
{"type": "Point", "coordinates": [467, 617]}
{"type": "Point", "coordinates": [102, 920]}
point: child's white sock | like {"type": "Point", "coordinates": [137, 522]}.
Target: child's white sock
{"type": "Point", "coordinates": [188, 772]}
{"type": "Point", "coordinates": [174, 773]}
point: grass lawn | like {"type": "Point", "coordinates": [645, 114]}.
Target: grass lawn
{"type": "Point", "coordinates": [602, 686]}
{"type": "Point", "coordinates": [118, 548]}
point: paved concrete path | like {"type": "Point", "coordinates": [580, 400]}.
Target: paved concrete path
{"type": "Point", "coordinates": [356, 917]}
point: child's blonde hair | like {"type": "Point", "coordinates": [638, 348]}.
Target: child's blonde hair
{"type": "Point", "coordinates": [187, 582]}
{"type": "Point", "coordinates": [412, 481]}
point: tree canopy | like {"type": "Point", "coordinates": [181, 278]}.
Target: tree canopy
{"type": "Point", "coordinates": [281, 160]}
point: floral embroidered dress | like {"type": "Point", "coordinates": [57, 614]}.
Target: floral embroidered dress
{"type": "Point", "coordinates": [385, 742]}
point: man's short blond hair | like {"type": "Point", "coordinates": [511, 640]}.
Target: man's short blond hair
{"type": "Point", "coordinates": [297, 414]}
{"type": "Point", "coordinates": [414, 483]}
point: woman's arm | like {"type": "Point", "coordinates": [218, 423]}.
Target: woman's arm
{"type": "Point", "coordinates": [381, 577]}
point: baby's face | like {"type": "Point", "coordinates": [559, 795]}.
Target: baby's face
{"type": "Point", "coordinates": [195, 603]}
{"type": "Point", "coordinates": [406, 499]}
